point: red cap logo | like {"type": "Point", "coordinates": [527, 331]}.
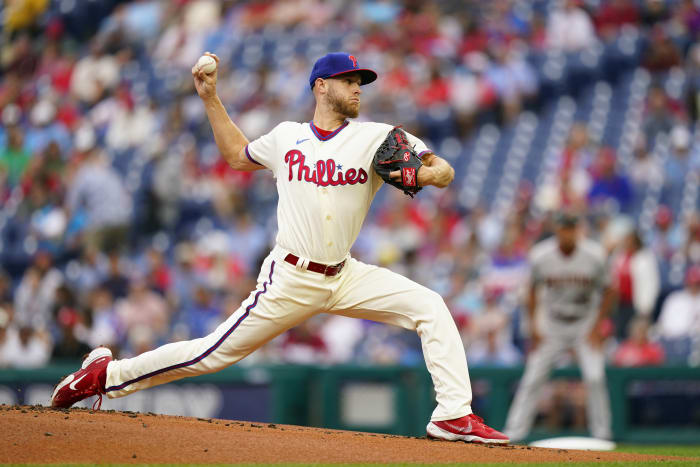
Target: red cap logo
{"type": "Point", "coordinates": [354, 60]}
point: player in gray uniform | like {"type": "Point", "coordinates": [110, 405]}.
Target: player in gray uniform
{"type": "Point", "coordinates": [569, 296]}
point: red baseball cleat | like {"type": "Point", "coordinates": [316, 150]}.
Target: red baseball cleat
{"type": "Point", "coordinates": [470, 428]}
{"type": "Point", "coordinates": [88, 381]}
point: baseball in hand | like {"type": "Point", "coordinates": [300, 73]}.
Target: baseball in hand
{"type": "Point", "coordinates": [207, 64]}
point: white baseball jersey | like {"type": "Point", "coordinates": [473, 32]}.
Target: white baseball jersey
{"type": "Point", "coordinates": [569, 286]}
{"type": "Point", "coordinates": [325, 184]}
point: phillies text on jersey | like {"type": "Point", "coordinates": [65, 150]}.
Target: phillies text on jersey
{"type": "Point", "coordinates": [325, 184]}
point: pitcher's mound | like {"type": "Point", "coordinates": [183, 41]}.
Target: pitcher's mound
{"type": "Point", "coordinates": [39, 435]}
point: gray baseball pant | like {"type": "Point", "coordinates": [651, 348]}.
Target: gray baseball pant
{"type": "Point", "coordinates": [537, 369]}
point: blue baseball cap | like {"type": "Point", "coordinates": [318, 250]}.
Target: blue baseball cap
{"type": "Point", "coordinates": [338, 63]}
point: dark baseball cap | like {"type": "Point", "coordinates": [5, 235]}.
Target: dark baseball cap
{"type": "Point", "coordinates": [338, 63]}
{"type": "Point", "coordinates": [566, 219]}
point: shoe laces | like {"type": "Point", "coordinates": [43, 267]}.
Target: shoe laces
{"type": "Point", "coordinates": [477, 418]}
{"type": "Point", "coordinates": [480, 421]}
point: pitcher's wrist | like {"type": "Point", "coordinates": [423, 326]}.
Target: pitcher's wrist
{"type": "Point", "coordinates": [426, 176]}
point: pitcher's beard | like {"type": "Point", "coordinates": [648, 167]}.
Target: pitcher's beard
{"type": "Point", "coordinates": [342, 107]}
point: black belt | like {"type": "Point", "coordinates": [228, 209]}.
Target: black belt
{"type": "Point", "coordinates": [568, 319]}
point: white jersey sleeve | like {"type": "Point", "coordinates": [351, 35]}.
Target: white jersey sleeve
{"type": "Point", "coordinates": [418, 145]}
{"type": "Point", "coordinates": [264, 150]}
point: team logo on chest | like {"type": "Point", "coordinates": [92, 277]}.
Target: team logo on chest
{"type": "Point", "coordinates": [325, 173]}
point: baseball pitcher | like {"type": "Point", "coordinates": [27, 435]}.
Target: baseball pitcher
{"type": "Point", "coordinates": [327, 172]}
{"type": "Point", "coordinates": [569, 296]}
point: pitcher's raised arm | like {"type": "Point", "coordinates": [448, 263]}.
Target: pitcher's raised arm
{"type": "Point", "coordinates": [229, 138]}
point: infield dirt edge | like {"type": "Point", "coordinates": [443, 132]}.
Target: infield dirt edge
{"type": "Point", "coordinates": [37, 434]}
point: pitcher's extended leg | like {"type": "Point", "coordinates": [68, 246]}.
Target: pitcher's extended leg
{"type": "Point", "coordinates": [266, 313]}
{"type": "Point", "coordinates": [377, 294]}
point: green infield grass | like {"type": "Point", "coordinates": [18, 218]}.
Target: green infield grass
{"type": "Point", "coordinates": [662, 450]}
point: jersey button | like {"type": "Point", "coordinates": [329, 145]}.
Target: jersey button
{"type": "Point", "coordinates": [330, 243]}
{"type": "Point", "coordinates": [324, 191]}
{"type": "Point", "coordinates": [328, 217]}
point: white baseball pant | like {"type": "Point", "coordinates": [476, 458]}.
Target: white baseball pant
{"type": "Point", "coordinates": [537, 369]}
{"type": "Point", "coordinates": [285, 296]}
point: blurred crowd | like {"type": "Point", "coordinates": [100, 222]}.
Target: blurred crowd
{"type": "Point", "coordinates": [120, 224]}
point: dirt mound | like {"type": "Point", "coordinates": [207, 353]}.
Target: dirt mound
{"type": "Point", "coordinates": [39, 434]}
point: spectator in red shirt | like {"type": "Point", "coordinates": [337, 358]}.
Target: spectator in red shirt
{"type": "Point", "coordinates": [304, 344]}
{"type": "Point", "coordinates": [636, 276]}
{"type": "Point", "coordinates": [398, 78]}
{"type": "Point", "coordinates": [475, 39]}
{"type": "Point", "coordinates": [436, 91]}
{"type": "Point", "coordinates": [637, 350]}
{"type": "Point", "coordinates": [613, 15]}
{"type": "Point", "coordinates": [662, 54]}
{"type": "Point", "coordinates": [57, 66]}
